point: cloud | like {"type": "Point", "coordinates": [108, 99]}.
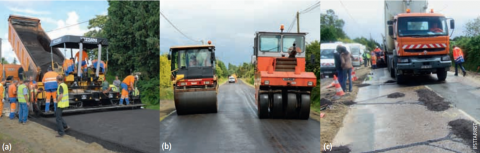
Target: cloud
{"type": "Point", "coordinates": [7, 52]}
{"type": "Point", "coordinates": [72, 29]}
{"type": "Point", "coordinates": [27, 11]}
{"type": "Point", "coordinates": [47, 20]}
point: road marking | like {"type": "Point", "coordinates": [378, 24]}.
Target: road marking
{"type": "Point", "coordinates": [167, 115]}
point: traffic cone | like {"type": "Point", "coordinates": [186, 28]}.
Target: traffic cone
{"type": "Point", "coordinates": [354, 76]}
{"type": "Point", "coordinates": [339, 90]}
{"type": "Point", "coordinates": [335, 81]}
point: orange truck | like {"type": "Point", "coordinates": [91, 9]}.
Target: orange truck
{"type": "Point", "coordinates": [282, 87]}
{"type": "Point", "coordinates": [418, 41]}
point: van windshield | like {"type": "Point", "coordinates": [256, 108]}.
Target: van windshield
{"type": "Point", "coordinates": [326, 53]}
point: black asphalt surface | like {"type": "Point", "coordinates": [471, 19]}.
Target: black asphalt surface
{"type": "Point", "coordinates": [236, 128]}
{"type": "Point", "coordinates": [117, 130]}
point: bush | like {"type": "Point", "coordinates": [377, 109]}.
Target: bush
{"type": "Point", "coordinates": [149, 90]}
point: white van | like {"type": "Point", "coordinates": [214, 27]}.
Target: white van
{"type": "Point", "coordinates": [327, 61]}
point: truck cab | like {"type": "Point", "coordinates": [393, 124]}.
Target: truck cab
{"type": "Point", "coordinates": [327, 61]}
{"type": "Point", "coordinates": [418, 41]}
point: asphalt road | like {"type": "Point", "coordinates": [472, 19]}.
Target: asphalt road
{"type": "Point", "coordinates": [117, 130]}
{"type": "Point", "coordinates": [380, 124]}
{"type": "Point", "coordinates": [236, 128]}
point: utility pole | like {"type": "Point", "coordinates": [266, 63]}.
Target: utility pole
{"type": "Point", "coordinates": [298, 22]}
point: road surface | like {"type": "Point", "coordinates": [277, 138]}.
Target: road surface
{"type": "Point", "coordinates": [381, 124]}
{"type": "Point", "coordinates": [236, 128]}
{"type": "Point", "coordinates": [118, 130]}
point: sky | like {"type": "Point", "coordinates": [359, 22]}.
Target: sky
{"type": "Point", "coordinates": [52, 15]}
{"type": "Point", "coordinates": [363, 18]}
{"type": "Point", "coordinates": [231, 25]}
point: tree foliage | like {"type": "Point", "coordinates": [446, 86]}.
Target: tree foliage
{"type": "Point", "coordinates": [165, 72]}
{"type": "Point", "coordinates": [369, 43]}
{"type": "Point", "coordinates": [331, 26]}
{"type": "Point", "coordinates": [472, 28]}
{"type": "Point", "coordinates": [132, 30]}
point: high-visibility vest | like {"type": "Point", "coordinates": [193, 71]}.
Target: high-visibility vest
{"type": "Point", "coordinates": [114, 88]}
{"type": "Point", "coordinates": [136, 92]}
{"type": "Point", "coordinates": [63, 103]}
{"type": "Point", "coordinates": [20, 94]}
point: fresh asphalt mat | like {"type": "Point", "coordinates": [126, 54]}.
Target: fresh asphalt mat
{"type": "Point", "coordinates": [432, 100]}
{"type": "Point", "coordinates": [464, 129]}
{"type": "Point", "coordinates": [396, 95]}
{"type": "Point", "coordinates": [117, 130]}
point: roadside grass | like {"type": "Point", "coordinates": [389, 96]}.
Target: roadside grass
{"type": "Point", "coordinates": [221, 81]}
{"type": "Point", "coordinates": [166, 94]}
{"type": "Point", "coordinates": [154, 107]}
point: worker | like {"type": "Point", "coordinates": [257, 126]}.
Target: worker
{"type": "Point", "coordinates": [377, 51]}
{"type": "Point", "coordinates": [459, 60]}
{"type": "Point", "coordinates": [292, 52]}
{"type": "Point", "coordinates": [12, 97]}
{"type": "Point", "coordinates": [32, 86]}
{"type": "Point", "coordinates": [103, 66]}
{"type": "Point", "coordinates": [127, 86]}
{"type": "Point", "coordinates": [69, 66]}
{"type": "Point", "coordinates": [62, 93]}
{"type": "Point", "coordinates": [338, 62]}
{"type": "Point", "coordinates": [374, 62]}
{"type": "Point", "coordinates": [105, 86]}
{"type": "Point", "coordinates": [117, 82]}
{"type": "Point", "coordinates": [347, 66]}
{"type": "Point", "coordinates": [22, 94]}
{"type": "Point", "coordinates": [84, 60]}
{"type": "Point", "coordinates": [366, 59]}
{"type": "Point", "coordinates": [193, 61]}
{"type": "Point", "coordinates": [435, 28]}
{"type": "Point", "coordinates": [50, 88]}
{"type": "Point", "coordinates": [1, 97]}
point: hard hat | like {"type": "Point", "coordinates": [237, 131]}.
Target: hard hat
{"type": "Point", "coordinates": [136, 77]}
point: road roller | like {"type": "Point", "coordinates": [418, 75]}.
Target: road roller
{"type": "Point", "coordinates": [193, 78]}
{"type": "Point", "coordinates": [282, 87]}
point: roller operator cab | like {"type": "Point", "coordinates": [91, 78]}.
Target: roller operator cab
{"type": "Point", "coordinates": [282, 87]}
{"type": "Point", "coordinates": [418, 41]}
{"type": "Point", "coordinates": [194, 80]}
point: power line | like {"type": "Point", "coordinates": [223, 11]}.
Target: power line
{"type": "Point", "coordinates": [310, 8]}
{"type": "Point", "coordinates": [291, 24]}
{"type": "Point", "coordinates": [178, 29]}
{"type": "Point", "coordinates": [348, 12]}
{"type": "Point", "coordinates": [68, 26]}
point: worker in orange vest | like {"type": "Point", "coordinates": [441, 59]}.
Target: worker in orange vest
{"type": "Point", "coordinates": [50, 83]}
{"type": "Point", "coordinates": [1, 97]}
{"type": "Point", "coordinates": [374, 62]}
{"type": "Point", "coordinates": [12, 97]}
{"type": "Point", "coordinates": [84, 60]}
{"type": "Point", "coordinates": [127, 86]}
{"type": "Point", "coordinates": [459, 59]}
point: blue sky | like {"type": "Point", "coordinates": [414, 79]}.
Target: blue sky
{"type": "Point", "coordinates": [52, 15]}
{"type": "Point", "coordinates": [231, 25]}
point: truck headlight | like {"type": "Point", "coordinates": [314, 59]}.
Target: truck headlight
{"type": "Point", "coordinates": [446, 58]}
{"type": "Point", "coordinates": [207, 82]}
{"type": "Point", "coordinates": [310, 83]}
{"type": "Point", "coordinates": [267, 82]}
{"type": "Point", "coordinates": [403, 60]}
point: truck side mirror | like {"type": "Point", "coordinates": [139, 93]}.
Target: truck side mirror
{"type": "Point", "coordinates": [169, 57]}
{"type": "Point", "coordinates": [390, 22]}
{"type": "Point", "coordinates": [390, 30]}
{"type": "Point", "coordinates": [253, 59]}
{"type": "Point", "coordinates": [452, 24]}
{"type": "Point", "coordinates": [212, 57]}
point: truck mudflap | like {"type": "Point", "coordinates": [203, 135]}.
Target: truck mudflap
{"type": "Point", "coordinates": [424, 64]}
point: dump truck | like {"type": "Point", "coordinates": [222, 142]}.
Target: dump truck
{"type": "Point", "coordinates": [193, 77]}
{"type": "Point", "coordinates": [36, 53]}
{"type": "Point", "coordinates": [282, 86]}
{"type": "Point", "coordinates": [418, 41]}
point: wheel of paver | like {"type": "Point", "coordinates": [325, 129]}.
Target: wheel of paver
{"type": "Point", "coordinates": [277, 108]}
{"type": "Point", "coordinates": [441, 74]}
{"type": "Point", "coordinates": [304, 106]}
{"type": "Point", "coordinates": [262, 106]}
{"type": "Point", "coordinates": [291, 107]}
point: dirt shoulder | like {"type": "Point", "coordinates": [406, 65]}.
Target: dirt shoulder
{"type": "Point", "coordinates": [33, 137]}
{"type": "Point", "coordinates": [166, 107]}
{"type": "Point", "coordinates": [333, 119]}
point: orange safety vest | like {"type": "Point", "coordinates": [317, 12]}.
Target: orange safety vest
{"type": "Point", "coordinates": [129, 80]}
{"type": "Point", "coordinates": [12, 91]}
{"type": "Point", "coordinates": [457, 52]}
{"type": "Point", "coordinates": [374, 60]}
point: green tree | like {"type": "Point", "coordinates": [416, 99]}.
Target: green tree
{"type": "Point", "coordinates": [132, 30]}
{"type": "Point", "coordinates": [165, 72]}
{"type": "Point", "coordinates": [330, 20]}
{"type": "Point", "coordinates": [4, 61]}
{"type": "Point", "coordinates": [14, 61]}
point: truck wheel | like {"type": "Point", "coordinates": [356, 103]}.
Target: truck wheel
{"type": "Point", "coordinates": [399, 78]}
{"type": "Point", "coordinates": [441, 74]}
{"type": "Point", "coordinates": [263, 106]}
{"type": "Point", "coordinates": [392, 72]}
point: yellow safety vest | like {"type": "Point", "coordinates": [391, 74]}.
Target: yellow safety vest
{"type": "Point", "coordinates": [136, 92]}
{"type": "Point", "coordinates": [20, 94]}
{"type": "Point", "coordinates": [63, 103]}
{"type": "Point", "coordinates": [114, 88]}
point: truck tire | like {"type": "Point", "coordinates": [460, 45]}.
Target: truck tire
{"type": "Point", "coordinates": [399, 78]}
{"type": "Point", "coordinates": [392, 73]}
{"type": "Point", "coordinates": [441, 74]}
